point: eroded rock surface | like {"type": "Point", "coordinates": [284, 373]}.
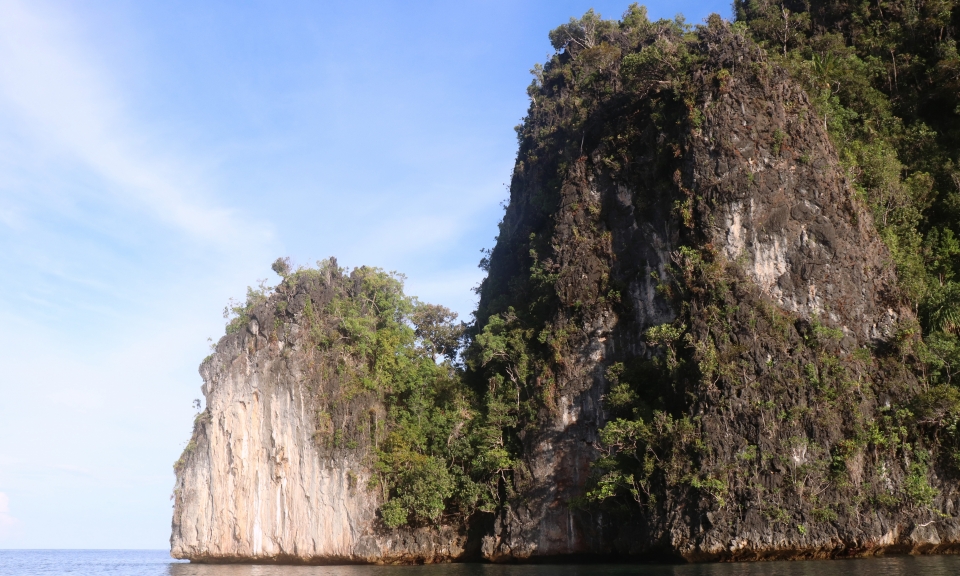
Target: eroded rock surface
{"type": "Point", "coordinates": [723, 213]}
{"type": "Point", "coordinates": [255, 485]}
{"type": "Point", "coordinates": [743, 175]}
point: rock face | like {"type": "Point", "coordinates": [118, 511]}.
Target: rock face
{"type": "Point", "coordinates": [255, 485]}
{"type": "Point", "coordinates": [782, 206]}
{"type": "Point", "coordinates": [714, 208]}
{"type": "Point", "coordinates": [722, 212]}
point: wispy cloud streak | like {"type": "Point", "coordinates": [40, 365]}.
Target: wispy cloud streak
{"type": "Point", "coordinates": [63, 100]}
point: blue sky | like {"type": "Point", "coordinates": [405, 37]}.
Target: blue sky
{"type": "Point", "coordinates": [157, 156]}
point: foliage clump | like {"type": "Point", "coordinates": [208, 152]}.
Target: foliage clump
{"type": "Point", "coordinates": [386, 381]}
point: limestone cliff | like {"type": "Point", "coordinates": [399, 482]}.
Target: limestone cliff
{"type": "Point", "coordinates": [690, 344]}
{"type": "Point", "coordinates": [253, 484]}
{"type": "Point", "coordinates": [723, 354]}
{"type": "Point", "coordinates": [279, 465]}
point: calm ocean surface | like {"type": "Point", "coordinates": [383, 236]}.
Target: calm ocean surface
{"type": "Point", "coordinates": [158, 563]}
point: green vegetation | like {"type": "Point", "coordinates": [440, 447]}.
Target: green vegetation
{"type": "Point", "coordinates": [386, 382]}
{"type": "Point", "coordinates": [444, 409]}
{"type": "Point", "coordinates": [855, 61]}
{"type": "Point", "coordinates": [388, 345]}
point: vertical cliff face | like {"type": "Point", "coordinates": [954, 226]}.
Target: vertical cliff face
{"type": "Point", "coordinates": [723, 352]}
{"type": "Point", "coordinates": [280, 463]}
{"type": "Point", "coordinates": [775, 199]}
{"type": "Point", "coordinates": [254, 484]}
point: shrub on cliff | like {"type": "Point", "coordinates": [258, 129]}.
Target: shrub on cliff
{"type": "Point", "coordinates": [390, 344]}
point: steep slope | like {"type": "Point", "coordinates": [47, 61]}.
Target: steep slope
{"type": "Point", "coordinates": [282, 465]}
{"type": "Point", "coordinates": [720, 358]}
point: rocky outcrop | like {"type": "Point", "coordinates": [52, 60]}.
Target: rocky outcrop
{"type": "Point", "coordinates": [253, 484]}
{"type": "Point", "coordinates": [256, 483]}
{"type": "Point", "coordinates": [781, 205]}
{"type": "Point", "coordinates": [720, 210]}
{"type": "Point", "coordinates": [685, 258]}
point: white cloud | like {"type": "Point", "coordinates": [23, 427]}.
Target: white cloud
{"type": "Point", "coordinates": [64, 101]}
{"type": "Point", "coordinates": [7, 522]}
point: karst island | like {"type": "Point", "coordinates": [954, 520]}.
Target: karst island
{"type": "Point", "coordinates": [720, 322]}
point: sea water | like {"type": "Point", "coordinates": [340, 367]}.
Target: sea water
{"type": "Point", "coordinates": [159, 563]}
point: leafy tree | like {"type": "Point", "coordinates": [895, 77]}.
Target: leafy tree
{"type": "Point", "coordinates": [281, 266]}
{"type": "Point", "coordinates": [437, 329]}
